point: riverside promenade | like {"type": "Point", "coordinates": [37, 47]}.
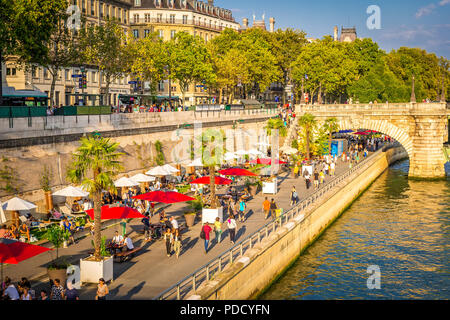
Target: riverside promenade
{"type": "Point", "coordinates": [151, 271]}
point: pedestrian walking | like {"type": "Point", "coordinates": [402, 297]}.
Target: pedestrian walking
{"type": "Point", "coordinates": [146, 222]}
{"type": "Point", "coordinates": [123, 224]}
{"type": "Point", "coordinates": [316, 179]}
{"type": "Point", "coordinates": [294, 196]}
{"type": "Point", "coordinates": [102, 290]}
{"type": "Point", "coordinates": [266, 208]}
{"type": "Point", "coordinates": [321, 177]}
{"type": "Point", "coordinates": [204, 234]}
{"type": "Point", "coordinates": [307, 179]}
{"type": "Point", "coordinates": [177, 242]}
{"type": "Point", "coordinates": [231, 223]}
{"type": "Point", "coordinates": [168, 238]}
{"type": "Point", "coordinates": [71, 292]}
{"type": "Point", "coordinates": [242, 207]}
{"type": "Point", "coordinates": [332, 168]}
{"type": "Point", "coordinates": [218, 229]}
{"type": "Point", "coordinates": [273, 208]}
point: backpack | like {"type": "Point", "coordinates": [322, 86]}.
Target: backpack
{"type": "Point", "coordinates": [202, 234]}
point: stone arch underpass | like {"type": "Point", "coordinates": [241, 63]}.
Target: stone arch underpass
{"type": "Point", "coordinates": [420, 128]}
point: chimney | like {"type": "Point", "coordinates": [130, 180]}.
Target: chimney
{"type": "Point", "coordinates": [272, 24]}
{"type": "Point", "coordinates": [335, 33]}
{"type": "Point", "coordinates": [245, 23]}
{"type": "Point", "coordinates": [211, 2]}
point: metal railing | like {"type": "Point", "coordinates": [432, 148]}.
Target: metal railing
{"type": "Point", "coordinates": [191, 283]}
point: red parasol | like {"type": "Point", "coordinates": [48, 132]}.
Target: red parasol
{"type": "Point", "coordinates": [266, 161]}
{"type": "Point", "coordinates": [164, 197]}
{"type": "Point", "coordinates": [13, 251]}
{"type": "Point", "coordinates": [237, 172]}
{"type": "Point", "coordinates": [207, 180]}
{"type": "Point", "coordinates": [370, 131]}
{"type": "Point", "coordinates": [110, 213]}
{"type": "Point", "coordinates": [361, 133]}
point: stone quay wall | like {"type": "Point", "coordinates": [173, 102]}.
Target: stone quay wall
{"type": "Point", "coordinates": [266, 261]}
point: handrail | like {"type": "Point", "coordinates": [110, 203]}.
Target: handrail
{"type": "Point", "coordinates": [262, 233]}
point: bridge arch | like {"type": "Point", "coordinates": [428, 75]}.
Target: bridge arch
{"type": "Point", "coordinates": [382, 126]}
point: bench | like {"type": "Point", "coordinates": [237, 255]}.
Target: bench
{"type": "Point", "coordinates": [123, 255]}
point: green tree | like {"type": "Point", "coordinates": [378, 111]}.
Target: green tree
{"type": "Point", "coordinates": [275, 124]}
{"type": "Point", "coordinates": [307, 125]}
{"type": "Point", "coordinates": [330, 126]}
{"type": "Point", "coordinates": [104, 46]}
{"type": "Point", "coordinates": [25, 28]}
{"type": "Point", "coordinates": [95, 164]}
{"type": "Point", "coordinates": [147, 59]}
{"type": "Point", "coordinates": [189, 61]}
{"type": "Point", "coordinates": [286, 46]}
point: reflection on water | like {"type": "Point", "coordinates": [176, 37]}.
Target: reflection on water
{"type": "Point", "coordinates": [400, 225]}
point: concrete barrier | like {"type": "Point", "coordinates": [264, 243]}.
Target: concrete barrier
{"type": "Point", "coordinates": [256, 270]}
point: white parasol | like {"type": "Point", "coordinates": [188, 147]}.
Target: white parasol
{"type": "Point", "coordinates": [125, 182]}
{"type": "Point", "coordinates": [241, 152]}
{"type": "Point", "coordinates": [17, 204]}
{"type": "Point", "coordinates": [158, 171]}
{"type": "Point", "coordinates": [255, 152]}
{"type": "Point", "coordinates": [170, 169]}
{"type": "Point", "coordinates": [230, 156]}
{"type": "Point", "coordinates": [140, 177]}
{"type": "Point", "coordinates": [71, 192]}
{"type": "Point", "coordinates": [289, 150]}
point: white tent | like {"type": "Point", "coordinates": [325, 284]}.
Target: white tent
{"type": "Point", "coordinates": [71, 192]}
{"type": "Point", "coordinates": [289, 150]}
{"type": "Point", "coordinates": [230, 156]}
{"type": "Point", "coordinates": [125, 182]}
{"type": "Point", "coordinates": [140, 177]}
{"type": "Point", "coordinates": [241, 152]}
{"type": "Point", "coordinates": [170, 169]}
{"type": "Point", "coordinates": [17, 204]}
{"type": "Point", "coordinates": [255, 152]}
{"type": "Point", "coordinates": [158, 171]}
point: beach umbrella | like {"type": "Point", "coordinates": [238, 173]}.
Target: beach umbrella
{"type": "Point", "coordinates": [255, 152]}
{"type": "Point", "coordinates": [230, 156]}
{"type": "Point", "coordinates": [125, 182]}
{"type": "Point", "coordinates": [370, 131]}
{"type": "Point", "coordinates": [111, 213]}
{"type": "Point", "coordinates": [158, 171]}
{"type": "Point", "coordinates": [207, 180]}
{"type": "Point", "coordinates": [170, 169]}
{"type": "Point", "coordinates": [263, 144]}
{"type": "Point", "coordinates": [289, 150]}
{"type": "Point", "coordinates": [71, 192]}
{"type": "Point", "coordinates": [13, 251]}
{"type": "Point", "coordinates": [2, 214]}
{"type": "Point", "coordinates": [164, 197]}
{"type": "Point", "coordinates": [361, 133]}
{"type": "Point", "coordinates": [266, 161]}
{"type": "Point", "coordinates": [17, 204]}
{"type": "Point", "coordinates": [141, 178]}
{"type": "Point", "coordinates": [237, 172]}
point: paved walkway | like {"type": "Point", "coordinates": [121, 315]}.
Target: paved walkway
{"type": "Point", "coordinates": [152, 272]}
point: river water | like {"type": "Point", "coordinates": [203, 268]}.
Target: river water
{"type": "Point", "coordinates": [400, 226]}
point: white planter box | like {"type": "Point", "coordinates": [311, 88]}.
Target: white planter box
{"type": "Point", "coordinates": [92, 271]}
{"type": "Point", "coordinates": [270, 187]}
{"type": "Point", "coordinates": [210, 215]}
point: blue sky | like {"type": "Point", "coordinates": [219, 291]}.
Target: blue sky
{"type": "Point", "coordinates": [412, 23]}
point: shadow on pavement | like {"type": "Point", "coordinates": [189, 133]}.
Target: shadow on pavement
{"type": "Point", "coordinates": [134, 291]}
{"type": "Point", "coordinates": [240, 233]}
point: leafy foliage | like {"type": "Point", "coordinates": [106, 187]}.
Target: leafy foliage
{"type": "Point", "coordinates": [8, 177]}
{"type": "Point", "coordinates": [57, 235]}
{"type": "Point", "coordinates": [45, 179]}
{"type": "Point", "coordinates": [95, 164]}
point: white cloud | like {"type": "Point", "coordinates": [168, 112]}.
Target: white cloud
{"type": "Point", "coordinates": [424, 11]}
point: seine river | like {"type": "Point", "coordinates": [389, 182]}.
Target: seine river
{"type": "Point", "coordinates": [400, 226]}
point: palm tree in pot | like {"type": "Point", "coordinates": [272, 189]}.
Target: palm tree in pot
{"type": "Point", "coordinates": [95, 164]}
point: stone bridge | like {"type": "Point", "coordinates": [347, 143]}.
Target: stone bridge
{"type": "Point", "coordinates": [421, 128]}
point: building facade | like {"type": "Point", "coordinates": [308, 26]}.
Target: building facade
{"type": "Point", "coordinates": [167, 17]}
{"type": "Point", "coordinates": [67, 87]}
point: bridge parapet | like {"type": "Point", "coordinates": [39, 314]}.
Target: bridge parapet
{"type": "Point", "coordinates": [421, 128]}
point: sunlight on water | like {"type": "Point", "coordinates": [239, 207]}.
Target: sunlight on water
{"type": "Point", "coordinates": [400, 225]}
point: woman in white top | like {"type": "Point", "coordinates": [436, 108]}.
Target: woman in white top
{"type": "Point", "coordinates": [231, 223]}
{"type": "Point", "coordinates": [26, 294]}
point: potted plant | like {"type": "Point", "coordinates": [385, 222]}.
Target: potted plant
{"type": "Point", "coordinates": [253, 186]}
{"type": "Point", "coordinates": [45, 185]}
{"type": "Point", "coordinates": [192, 211]}
{"type": "Point", "coordinates": [95, 165]}
{"type": "Point", "coordinates": [57, 269]}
